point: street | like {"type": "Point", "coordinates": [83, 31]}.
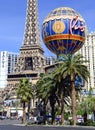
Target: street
{"type": "Point", "coordinates": [16, 125]}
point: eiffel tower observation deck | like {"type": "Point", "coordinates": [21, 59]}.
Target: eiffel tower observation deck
{"type": "Point", "coordinates": [31, 58]}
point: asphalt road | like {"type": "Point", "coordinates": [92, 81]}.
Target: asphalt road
{"type": "Point", "coordinates": [16, 125]}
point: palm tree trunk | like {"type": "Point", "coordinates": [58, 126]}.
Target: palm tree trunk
{"type": "Point", "coordinates": [44, 112]}
{"type": "Point", "coordinates": [24, 114]}
{"type": "Point", "coordinates": [53, 114]}
{"type": "Point", "coordinates": [73, 97]}
{"type": "Point", "coordinates": [62, 110]}
{"type": "Point", "coordinates": [29, 105]}
{"type": "Point", "coordinates": [52, 104]}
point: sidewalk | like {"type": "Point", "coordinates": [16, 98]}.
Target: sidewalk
{"type": "Point", "coordinates": [19, 123]}
{"type": "Point", "coordinates": [9, 122]}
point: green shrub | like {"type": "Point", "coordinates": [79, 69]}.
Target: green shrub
{"type": "Point", "coordinates": [90, 122]}
{"type": "Point", "coordinates": [66, 115]}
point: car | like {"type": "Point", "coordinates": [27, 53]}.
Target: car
{"type": "Point", "coordinates": [2, 117]}
{"type": "Point", "coordinates": [33, 120]}
{"type": "Point", "coordinates": [80, 120]}
{"type": "Point", "coordinates": [40, 119]}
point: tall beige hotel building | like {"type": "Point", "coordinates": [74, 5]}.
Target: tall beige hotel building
{"type": "Point", "coordinates": [88, 51]}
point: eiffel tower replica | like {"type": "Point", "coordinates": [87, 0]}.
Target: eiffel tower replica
{"type": "Point", "coordinates": [31, 58]}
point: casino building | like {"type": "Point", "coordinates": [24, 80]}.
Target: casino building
{"type": "Point", "coordinates": [8, 61]}
{"type": "Point", "coordinates": [88, 51]}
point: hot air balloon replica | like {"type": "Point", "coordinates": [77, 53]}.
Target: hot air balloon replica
{"type": "Point", "coordinates": [64, 31]}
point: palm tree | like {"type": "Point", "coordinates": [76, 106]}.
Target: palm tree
{"type": "Point", "coordinates": [40, 93]}
{"type": "Point", "coordinates": [51, 85]}
{"type": "Point", "coordinates": [72, 66]}
{"type": "Point", "coordinates": [63, 92]}
{"type": "Point", "coordinates": [24, 92]}
{"type": "Point", "coordinates": [49, 89]}
{"type": "Point", "coordinates": [46, 88]}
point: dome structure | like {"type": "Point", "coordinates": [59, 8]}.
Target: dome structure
{"type": "Point", "coordinates": [64, 31]}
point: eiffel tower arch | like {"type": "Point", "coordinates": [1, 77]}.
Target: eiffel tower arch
{"type": "Point", "coordinates": [31, 58]}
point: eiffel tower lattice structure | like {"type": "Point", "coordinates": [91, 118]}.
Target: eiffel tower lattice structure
{"type": "Point", "coordinates": [31, 58]}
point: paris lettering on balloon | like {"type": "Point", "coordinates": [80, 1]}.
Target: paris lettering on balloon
{"type": "Point", "coordinates": [76, 24]}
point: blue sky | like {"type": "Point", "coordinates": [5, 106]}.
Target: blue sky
{"type": "Point", "coordinates": [13, 13]}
